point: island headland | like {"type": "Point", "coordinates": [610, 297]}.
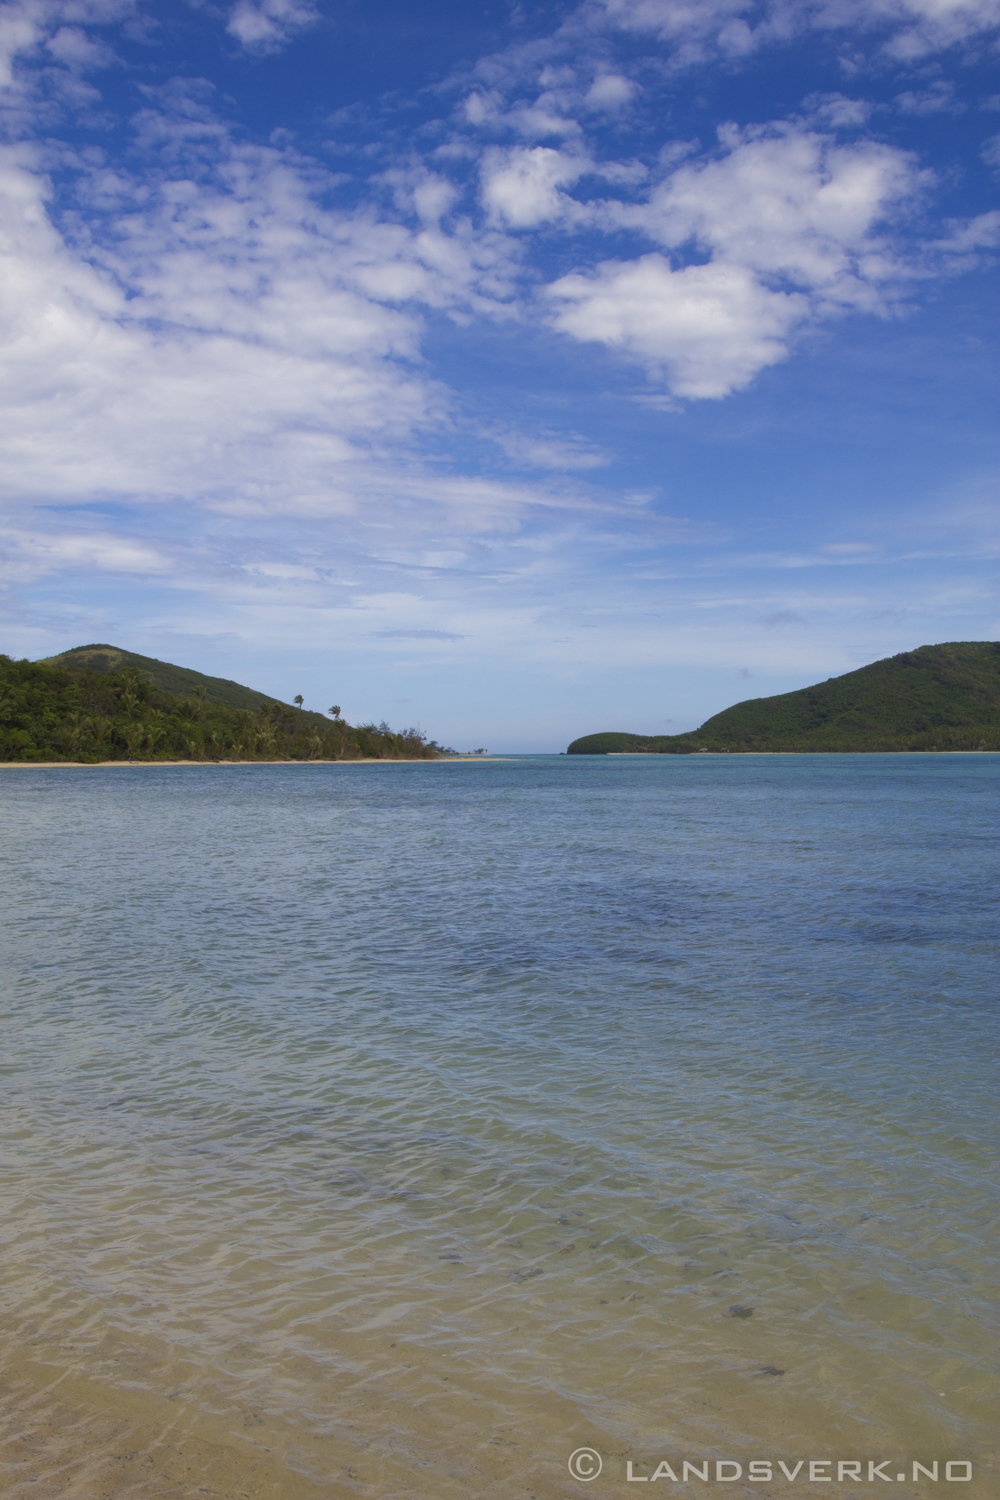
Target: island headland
{"type": "Point", "coordinates": [944, 697]}
{"type": "Point", "coordinates": [99, 703]}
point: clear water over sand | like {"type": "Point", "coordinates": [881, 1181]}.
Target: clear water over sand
{"type": "Point", "coordinates": [397, 1130]}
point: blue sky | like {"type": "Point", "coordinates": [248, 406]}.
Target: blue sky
{"type": "Point", "coordinates": [518, 371]}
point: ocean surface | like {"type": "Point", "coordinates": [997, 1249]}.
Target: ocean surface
{"type": "Point", "coordinates": [400, 1130]}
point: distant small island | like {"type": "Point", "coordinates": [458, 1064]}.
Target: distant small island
{"type": "Point", "coordinates": [99, 703]}
{"type": "Point", "coordinates": [944, 697]}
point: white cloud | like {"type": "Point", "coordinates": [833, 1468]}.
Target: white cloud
{"type": "Point", "coordinates": [77, 51]}
{"type": "Point", "coordinates": [267, 25]}
{"type": "Point", "coordinates": [926, 26]}
{"type": "Point", "coordinates": [227, 346]}
{"type": "Point", "coordinates": [710, 328]}
{"type": "Point", "coordinates": [18, 32]}
{"type": "Point", "coordinates": [836, 112]}
{"type": "Point", "coordinates": [31, 554]}
{"type": "Point", "coordinates": [938, 99]}
{"type": "Point", "coordinates": [791, 204]}
{"type": "Point", "coordinates": [697, 29]}
{"type": "Point", "coordinates": [966, 245]}
{"type": "Point", "coordinates": [59, 24]}
{"type": "Point", "coordinates": [678, 20]}
{"type": "Point", "coordinates": [790, 222]}
{"type": "Point", "coordinates": [550, 451]}
{"type": "Point", "coordinates": [218, 336]}
{"type": "Point", "coordinates": [246, 337]}
{"type": "Point", "coordinates": [545, 118]}
{"type": "Point", "coordinates": [520, 187]}
{"type": "Point", "coordinates": [990, 151]}
{"type": "Point", "coordinates": [482, 106]}
{"type": "Point", "coordinates": [609, 91]}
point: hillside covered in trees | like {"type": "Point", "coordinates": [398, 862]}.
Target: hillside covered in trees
{"type": "Point", "coordinates": [182, 681]}
{"type": "Point", "coordinates": [86, 714]}
{"type": "Point", "coordinates": [943, 697]}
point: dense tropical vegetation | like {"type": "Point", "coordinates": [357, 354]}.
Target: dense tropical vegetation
{"type": "Point", "coordinates": [53, 713]}
{"type": "Point", "coordinates": [943, 697]}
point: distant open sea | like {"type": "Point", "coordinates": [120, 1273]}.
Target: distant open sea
{"type": "Point", "coordinates": [401, 1129]}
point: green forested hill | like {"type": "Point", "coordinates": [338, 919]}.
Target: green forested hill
{"type": "Point", "coordinates": [943, 697]}
{"type": "Point", "coordinates": [82, 714]}
{"type": "Point", "coordinates": [180, 680]}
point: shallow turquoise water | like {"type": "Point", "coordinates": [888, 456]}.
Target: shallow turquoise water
{"type": "Point", "coordinates": [398, 1129]}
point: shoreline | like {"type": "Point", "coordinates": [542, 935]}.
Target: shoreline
{"type": "Point", "coordinates": [687, 754]}
{"type": "Point", "coordinates": [440, 760]}
{"type": "Point", "coordinates": [152, 765]}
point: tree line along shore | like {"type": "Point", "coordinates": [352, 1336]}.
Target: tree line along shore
{"type": "Point", "coordinates": [52, 713]}
{"type": "Point", "coordinates": [944, 697]}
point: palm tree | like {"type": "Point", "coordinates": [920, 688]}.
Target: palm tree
{"type": "Point", "coordinates": [298, 700]}
{"type": "Point", "coordinates": [76, 727]}
{"type": "Point", "coordinates": [335, 710]}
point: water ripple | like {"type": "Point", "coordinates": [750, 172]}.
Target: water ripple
{"type": "Point", "coordinates": [396, 1130]}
